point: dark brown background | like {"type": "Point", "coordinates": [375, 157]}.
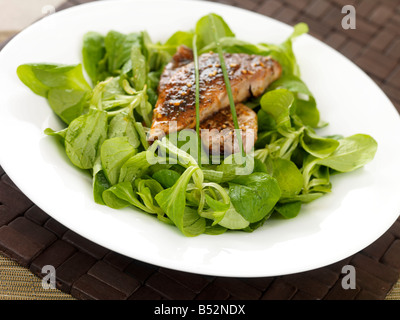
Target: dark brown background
{"type": "Point", "coordinates": [88, 271]}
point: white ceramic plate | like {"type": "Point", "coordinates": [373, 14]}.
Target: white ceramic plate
{"type": "Point", "coordinates": [362, 206]}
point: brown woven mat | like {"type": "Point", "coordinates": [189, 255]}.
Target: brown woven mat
{"type": "Point", "coordinates": [86, 270]}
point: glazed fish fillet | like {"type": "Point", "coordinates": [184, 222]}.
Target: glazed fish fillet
{"type": "Point", "coordinates": [249, 76]}
{"type": "Point", "coordinates": [218, 132]}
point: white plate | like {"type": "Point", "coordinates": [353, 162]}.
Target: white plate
{"type": "Point", "coordinates": [362, 206]}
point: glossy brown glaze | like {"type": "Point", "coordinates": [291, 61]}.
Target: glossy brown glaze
{"type": "Point", "coordinates": [249, 76]}
{"type": "Point", "coordinates": [218, 132]}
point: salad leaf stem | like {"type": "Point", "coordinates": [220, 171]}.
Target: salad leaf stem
{"type": "Point", "coordinates": [227, 83]}
{"type": "Point", "coordinates": [197, 77]}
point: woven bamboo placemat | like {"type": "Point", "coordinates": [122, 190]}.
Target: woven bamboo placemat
{"type": "Point", "coordinates": [30, 239]}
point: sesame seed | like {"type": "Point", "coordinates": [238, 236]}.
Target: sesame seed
{"type": "Point", "coordinates": [175, 103]}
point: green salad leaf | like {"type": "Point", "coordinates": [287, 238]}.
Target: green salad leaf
{"type": "Point", "coordinates": [64, 86]}
{"type": "Point", "coordinates": [173, 202]}
{"type": "Point", "coordinates": [93, 52]}
{"type": "Point", "coordinates": [352, 153]}
{"type": "Point", "coordinates": [254, 196]}
{"type": "Point", "coordinates": [84, 138]}
{"type": "Point", "coordinates": [114, 153]}
{"type": "Point", "coordinates": [206, 34]}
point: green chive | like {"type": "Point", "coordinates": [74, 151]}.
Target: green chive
{"type": "Point", "coordinates": [227, 83]}
{"type": "Point", "coordinates": [197, 76]}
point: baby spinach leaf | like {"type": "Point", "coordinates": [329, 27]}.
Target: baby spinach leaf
{"type": "Point", "coordinates": [352, 153]}
{"type": "Point", "coordinates": [319, 147]}
{"type": "Point", "coordinates": [304, 197]}
{"type": "Point", "coordinates": [134, 167]}
{"type": "Point", "coordinates": [153, 185]}
{"type": "Point", "coordinates": [166, 177]}
{"type": "Point", "coordinates": [118, 47]}
{"type": "Point", "coordinates": [277, 104]}
{"type": "Point", "coordinates": [173, 203]}
{"type": "Point", "coordinates": [298, 30]}
{"type": "Point", "coordinates": [100, 182]}
{"type": "Point", "coordinates": [142, 135]}
{"type": "Point", "coordinates": [93, 52]}
{"type": "Point", "coordinates": [68, 104]}
{"type": "Point", "coordinates": [266, 122]}
{"type": "Point", "coordinates": [112, 200]}
{"type": "Point", "coordinates": [319, 181]}
{"type": "Point", "coordinates": [254, 226]}
{"type": "Point", "coordinates": [192, 224]}
{"type": "Point", "coordinates": [292, 83]}
{"type": "Point", "coordinates": [289, 210]}
{"type": "Point", "coordinates": [27, 75]}
{"type": "Point", "coordinates": [215, 230]}
{"type": "Point", "coordinates": [147, 189]}
{"type": "Point", "coordinates": [139, 67]}
{"type": "Point", "coordinates": [121, 196]}
{"type": "Point", "coordinates": [216, 205]}
{"type": "Point", "coordinates": [216, 209]}
{"type": "Point", "coordinates": [306, 106]}
{"type": "Point", "coordinates": [232, 166]}
{"type": "Point", "coordinates": [122, 125]}
{"type": "Point", "coordinates": [181, 157]}
{"type": "Point", "coordinates": [233, 220]}
{"type": "Point", "coordinates": [84, 138]}
{"type": "Point", "coordinates": [157, 57]}
{"type": "Point", "coordinates": [260, 166]}
{"type": "Point", "coordinates": [255, 195]}
{"type": "Point", "coordinates": [283, 52]}
{"type": "Point", "coordinates": [277, 53]}
{"type": "Point", "coordinates": [63, 85]}
{"type": "Point", "coordinates": [230, 44]}
{"type": "Point", "coordinates": [204, 33]}
{"type": "Point", "coordinates": [105, 91]}
{"type": "Point", "coordinates": [60, 135]}
{"type": "Point", "coordinates": [41, 77]}
{"type": "Point", "coordinates": [114, 153]}
{"type": "Point", "coordinates": [308, 112]}
{"type": "Point", "coordinates": [288, 176]}
{"type": "Point", "coordinates": [177, 39]}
